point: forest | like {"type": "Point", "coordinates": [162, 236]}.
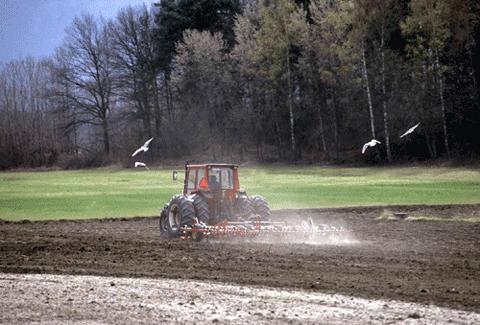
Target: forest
{"type": "Point", "coordinates": [305, 81]}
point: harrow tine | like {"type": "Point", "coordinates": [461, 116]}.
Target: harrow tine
{"type": "Point", "coordinates": [252, 229]}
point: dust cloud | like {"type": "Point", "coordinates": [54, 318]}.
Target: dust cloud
{"type": "Point", "coordinates": [299, 229]}
{"type": "Point", "coordinates": [309, 232]}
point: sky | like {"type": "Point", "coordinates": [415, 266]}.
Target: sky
{"type": "Point", "coordinates": [36, 27]}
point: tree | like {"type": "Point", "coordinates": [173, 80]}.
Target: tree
{"type": "Point", "coordinates": [427, 25]}
{"type": "Point", "coordinates": [281, 25]}
{"type": "Point", "coordinates": [28, 136]}
{"type": "Point", "coordinates": [174, 17]}
{"type": "Point", "coordinates": [84, 65]}
{"type": "Point", "coordinates": [205, 93]}
{"type": "Point", "coordinates": [134, 63]}
{"type": "Point", "coordinates": [359, 18]}
{"type": "Point", "coordinates": [333, 62]}
{"type": "Point", "coordinates": [243, 57]}
{"type": "Point", "coordinates": [372, 22]}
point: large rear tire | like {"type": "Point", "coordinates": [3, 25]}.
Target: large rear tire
{"type": "Point", "coordinates": [201, 208]}
{"type": "Point", "coordinates": [245, 207]}
{"type": "Point", "coordinates": [180, 213]}
{"type": "Point", "coordinates": [261, 207]}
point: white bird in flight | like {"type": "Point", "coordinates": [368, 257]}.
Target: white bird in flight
{"type": "Point", "coordinates": [371, 143]}
{"type": "Point", "coordinates": [410, 130]}
{"type": "Point", "coordinates": [140, 164]}
{"type": "Point", "coordinates": [143, 148]}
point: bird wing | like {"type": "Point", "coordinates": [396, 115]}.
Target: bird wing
{"type": "Point", "coordinates": [365, 146]}
{"type": "Point", "coordinates": [376, 141]}
{"type": "Point", "coordinates": [137, 163]}
{"type": "Point", "coordinates": [136, 152]}
{"type": "Point", "coordinates": [410, 130]}
{"type": "Point", "coordinates": [147, 142]}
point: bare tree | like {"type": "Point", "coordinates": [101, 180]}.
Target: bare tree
{"type": "Point", "coordinates": [83, 65]}
{"type": "Point", "coordinates": [27, 132]}
{"type": "Point", "coordinates": [135, 71]}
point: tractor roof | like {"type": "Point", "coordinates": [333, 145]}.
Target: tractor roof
{"type": "Point", "coordinates": [211, 165]}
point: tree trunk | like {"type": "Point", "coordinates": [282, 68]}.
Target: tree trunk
{"type": "Point", "coordinates": [335, 122]}
{"type": "Point", "coordinates": [147, 126]}
{"type": "Point", "coordinates": [384, 100]}
{"type": "Point", "coordinates": [168, 99]}
{"type": "Point", "coordinates": [442, 105]}
{"type": "Point", "coordinates": [75, 137]}
{"type": "Point", "coordinates": [156, 103]}
{"type": "Point", "coordinates": [322, 133]}
{"type": "Point", "coordinates": [474, 62]}
{"type": "Point", "coordinates": [290, 103]}
{"type": "Point", "coordinates": [429, 145]}
{"type": "Point", "coordinates": [367, 89]}
{"type": "Point", "coordinates": [474, 79]}
{"type": "Point", "coordinates": [106, 140]}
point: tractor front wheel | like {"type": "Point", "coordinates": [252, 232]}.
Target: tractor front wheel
{"type": "Point", "coordinates": [163, 222]}
{"type": "Point", "coordinates": [261, 207]}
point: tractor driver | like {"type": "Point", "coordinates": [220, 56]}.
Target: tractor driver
{"type": "Point", "coordinates": [214, 184]}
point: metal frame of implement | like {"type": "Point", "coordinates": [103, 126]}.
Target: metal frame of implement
{"type": "Point", "coordinates": [254, 228]}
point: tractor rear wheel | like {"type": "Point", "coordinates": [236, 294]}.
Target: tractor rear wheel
{"type": "Point", "coordinates": [180, 213]}
{"type": "Point", "coordinates": [261, 207]}
{"type": "Point", "coordinates": [245, 207]}
{"type": "Point", "coordinates": [201, 208]}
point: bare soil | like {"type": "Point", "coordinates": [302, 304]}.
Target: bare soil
{"type": "Point", "coordinates": [424, 262]}
{"type": "Point", "coordinates": [86, 299]}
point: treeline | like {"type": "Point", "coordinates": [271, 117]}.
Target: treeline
{"type": "Point", "coordinates": [250, 80]}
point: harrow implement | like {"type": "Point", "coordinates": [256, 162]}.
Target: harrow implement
{"type": "Point", "coordinates": [257, 228]}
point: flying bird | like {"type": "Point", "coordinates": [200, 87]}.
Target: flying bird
{"type": "Point", "coordinates": [143, 148]}
{"type": "Point", "coordinates": [140, 164]}
{"type": "Point", "coordinates": [371, 143]}
{"type": "Point", "coordinates": [410, 130]}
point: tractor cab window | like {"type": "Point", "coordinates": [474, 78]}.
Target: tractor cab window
{"type": "Point", "coordinates": [220, 178]}
{"type": "Point", "coordinates": [191, 179]}
{"type": "Point", "coordinates": [202, 181]}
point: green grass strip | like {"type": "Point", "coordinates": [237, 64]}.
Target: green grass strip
{"type": "Point", "coordinates": [132, 192]}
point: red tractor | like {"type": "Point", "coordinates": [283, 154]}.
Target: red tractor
{"type": "Point", "coordinates": [211, 197]}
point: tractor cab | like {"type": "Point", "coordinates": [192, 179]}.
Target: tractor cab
{"type": "Point", "coordinates": [211, 178]}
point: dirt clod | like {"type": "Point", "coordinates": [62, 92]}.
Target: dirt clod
{"type": "Point", "coordinates": [414, 316]}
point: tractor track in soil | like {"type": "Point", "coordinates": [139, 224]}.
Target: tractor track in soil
{"type": "Point", "coordinates": [428, 262]}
